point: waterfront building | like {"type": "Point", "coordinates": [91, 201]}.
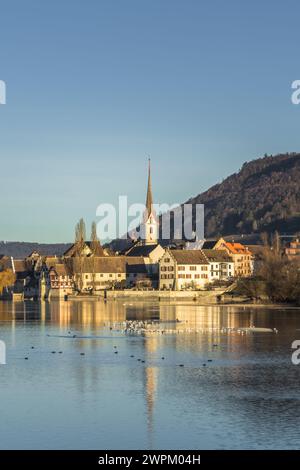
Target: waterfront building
{"type": "Point", "coordinates": [97, 273]}
{"type": "Point", "coordinates": [240, 254]}
{"type": "Point", "coordinates": [57, 282]}
{"type": "Point", "coordinates": [183, 269]}
{"type": "Point", "coordinates": [137, 273]}
{"type": "Point", "coordinates": [221, 265]}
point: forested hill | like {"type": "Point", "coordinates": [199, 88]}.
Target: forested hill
{"type": "Point", "coordinates": [263, 196]}
{"type": "Point", "coordinates": [23, 249]}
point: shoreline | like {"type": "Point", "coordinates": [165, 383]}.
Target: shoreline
{"type": "Point", "coordinates": [174, 301]}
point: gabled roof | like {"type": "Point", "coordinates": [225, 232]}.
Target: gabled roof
{"type": "Point", "coordinates": [99, 264]}
{"type": "Point", "coordinates": [20, 265]}
{"type": "Point", "coordinates": [141, 250]}
{"type": "Point", "coordinates": [189, 256]}
{"type": "Point", "coordinates": [218, 256]}
{"type": "Point", "coordinates": [74, 249]}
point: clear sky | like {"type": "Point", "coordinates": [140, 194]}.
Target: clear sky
{"type": "Point", "coordinates": [95, 86]}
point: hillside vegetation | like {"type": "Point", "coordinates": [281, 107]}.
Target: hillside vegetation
{"type": "Point", "coordinates": [262, 197]}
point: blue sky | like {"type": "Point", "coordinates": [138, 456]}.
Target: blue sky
{"type": "Point", "coordinates": [94, 87]}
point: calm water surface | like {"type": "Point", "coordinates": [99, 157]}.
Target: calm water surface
{"type": "Point", "coordinates": [247, 397]}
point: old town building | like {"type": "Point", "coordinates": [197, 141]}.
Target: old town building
{"type": "Point", "coordinates": [240, 254]}
{"type": "Point", "coordinates": [183, 269]}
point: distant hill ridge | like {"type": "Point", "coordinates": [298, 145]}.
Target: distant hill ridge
{"type": "Point", "coordinates": [23, 249]}
{"type": "Point", "coordinates": [263, 196]}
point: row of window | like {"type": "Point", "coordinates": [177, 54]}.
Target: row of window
{"type": "Point", "coordinates": [223, 273]}
{"type": "Point", "coordinates": [61, 284]}
{"type": "Point", "coordinates": [192, 268]}
{"type": "Point", "coordinates": [97, 283]}
{"type": "Point", "coordinates": [87, 276]}
{"type": "Point", "coordinates": [54, 277]}
{"type": "Point", "coordinates": [189, 276]}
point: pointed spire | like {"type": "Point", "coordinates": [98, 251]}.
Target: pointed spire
{"type": "Point", "coordinates": [149, 199]}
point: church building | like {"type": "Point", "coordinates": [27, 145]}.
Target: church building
{"type": "Point", "coordinates": [147, 246]}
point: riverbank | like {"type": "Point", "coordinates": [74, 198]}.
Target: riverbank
{"type": "Point", "coordinates": [202, 297]}
{"type": "Point", "coordinates": [214, 297]}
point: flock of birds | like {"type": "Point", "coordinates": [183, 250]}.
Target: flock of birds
{"type": "Point", "coordinates": [141, 327]}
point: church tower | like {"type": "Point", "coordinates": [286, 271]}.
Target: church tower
{"type": "Point", "coordinates": [149, 225]}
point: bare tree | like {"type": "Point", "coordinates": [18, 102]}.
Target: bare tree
{"type": "Point", "coordinates": [94, 238]}
{"type": "Point", "coordinates": [94, 246]}
{"type": "Point", "coordinates": [80, 233]}
{"type": "Point", "coordinates": [80, 237]}
{"type": "Point", "coordinates": [280, 276]}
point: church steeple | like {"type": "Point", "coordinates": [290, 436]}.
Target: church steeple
{"type": "Point", "coordinates": [149, 199]}
{"type": "Point", "coordinates": [149, 227]}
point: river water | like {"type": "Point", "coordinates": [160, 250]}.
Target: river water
{"type": "Point", "coordinates": [80, 387]}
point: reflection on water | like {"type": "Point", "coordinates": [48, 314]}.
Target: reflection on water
{"type": "Point", "coordinates": [233, 392]}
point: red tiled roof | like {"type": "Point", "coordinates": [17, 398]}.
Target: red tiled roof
{"type": "Point", "coordinates": [237, 248]}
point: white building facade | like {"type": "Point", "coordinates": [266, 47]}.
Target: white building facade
{"type": "Point", "coordinates": [183, 269]}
